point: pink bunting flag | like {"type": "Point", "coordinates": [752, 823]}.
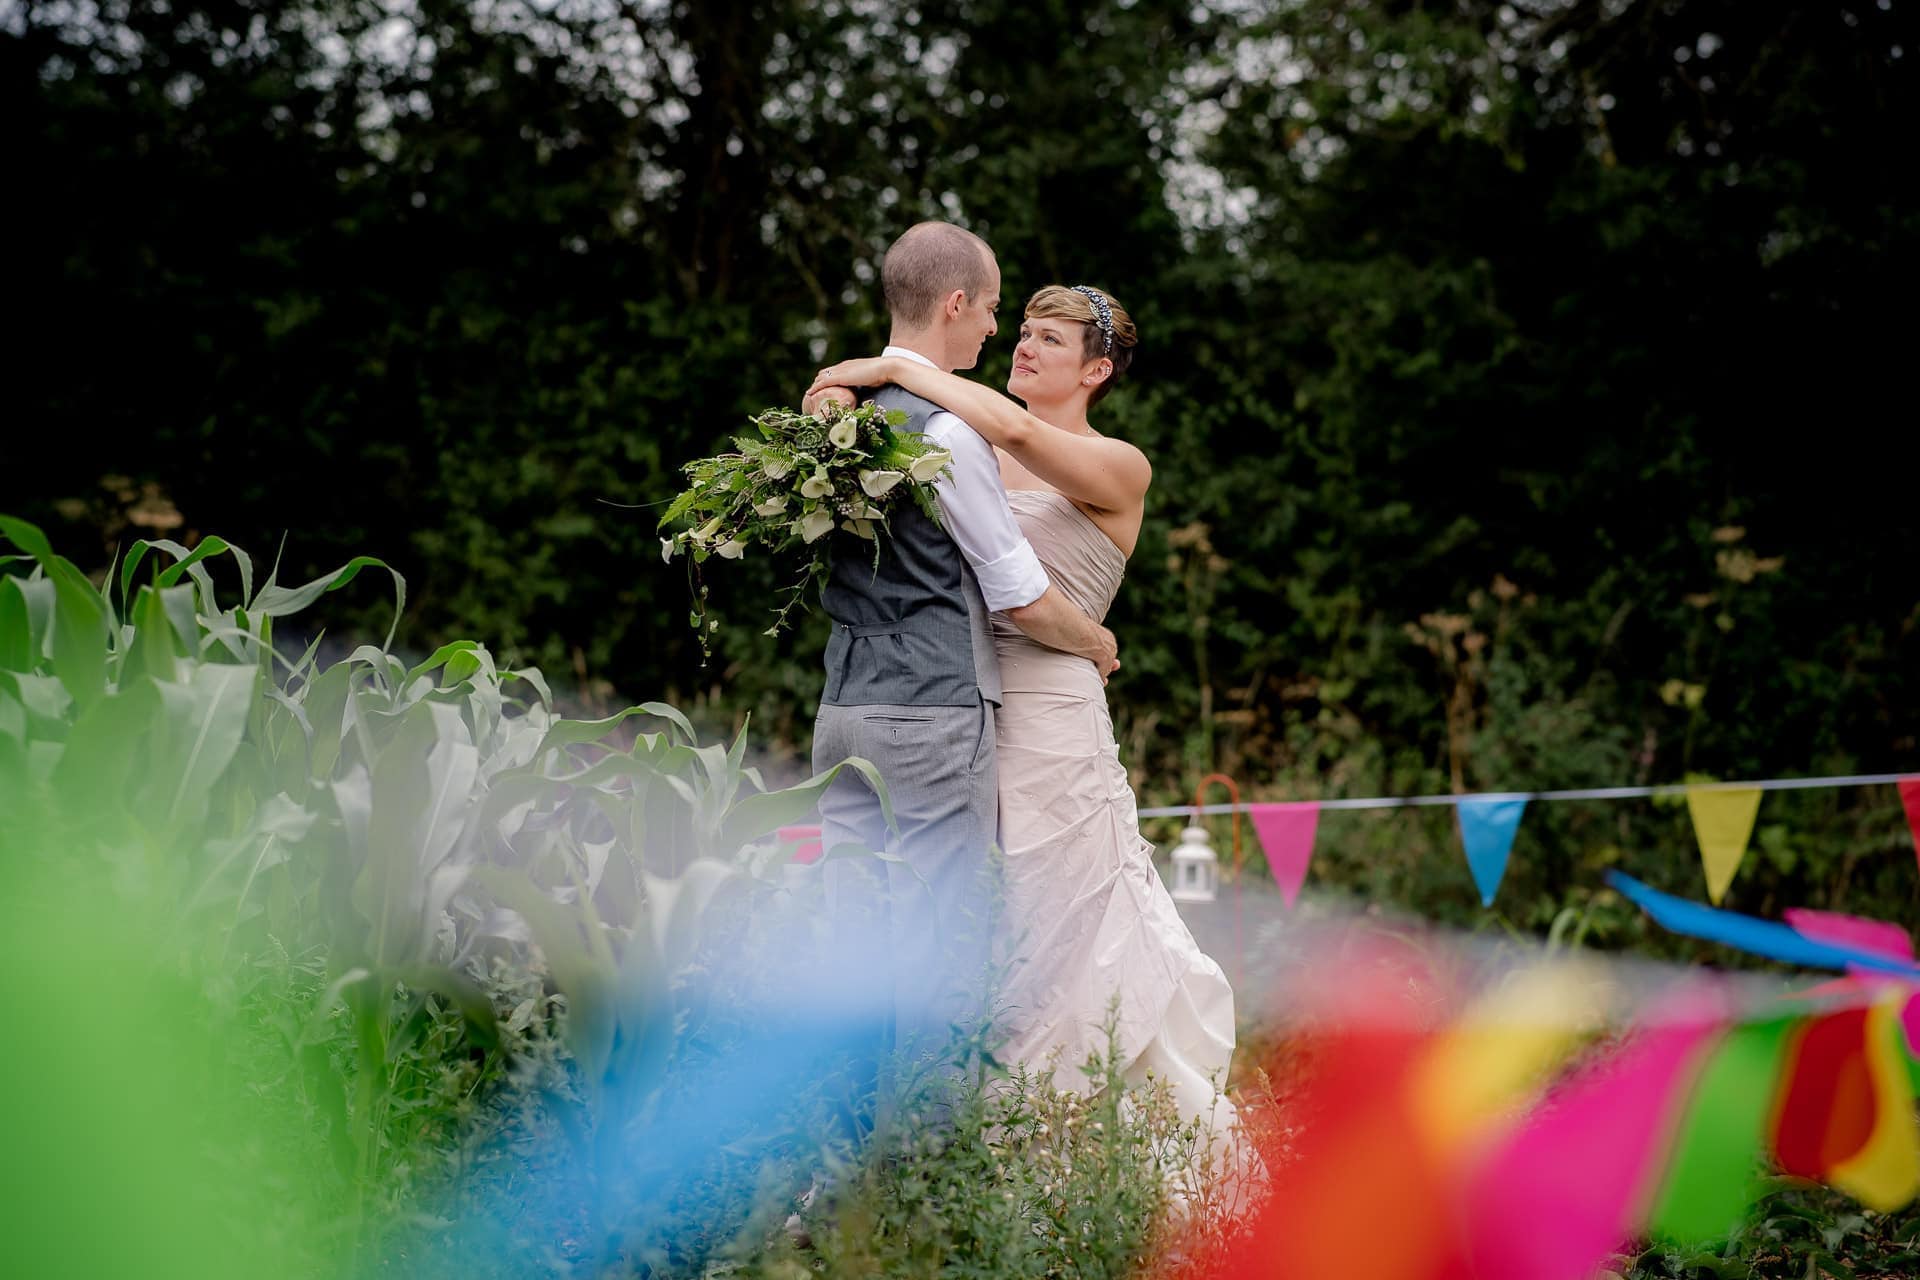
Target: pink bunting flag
{"type": "Point", "coordinates": [1910, 800]}
{"type": "Point", "coordinates": [1857, 932]}
{"type": "Point", "coordinates": [1286, 833]}
{"type": "Point", "coordinates": [1535, 1212]}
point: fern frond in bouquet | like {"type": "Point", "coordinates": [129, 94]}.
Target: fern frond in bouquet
{"type": "Point", "coordinates": [782, 492]}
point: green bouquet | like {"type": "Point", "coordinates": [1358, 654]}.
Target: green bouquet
{"type": "Point", "coordinates": [781, 494]}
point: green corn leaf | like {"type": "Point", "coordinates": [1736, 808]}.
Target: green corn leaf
{"type": "Point", "coordinates": [758, 815]}
{"type": "Point", "coordinates": [80, 635]}
{"type": "Point", "coordinates": [213, 546]}
{"type": "Point", "coordinates": [422, 797]}
{"type": "Point", "coordinates": [275, 601]}
{"type": "Point", "coordinates": [185, 561]}
{"type": "Point", "coordinates": [19, 639]}
{"type": "Point", "coordinates": [326, 700]}
{"type": "Point", "coordinates": [568, 733]}
{"type": "Point", "coordinates": [671, 715]}
{"type": "Point", "coordinates": [152, 653]}
{"type": "Point", "coordinates": [94, 774]}
{"type": "Point", "coordinates": [680, 908]}
{"type": "Point", "coordinates": [136, 554]}
{"type": "Point", "coordinates": [442, 656]}
{"type": "Point", "coordinates": [80, 622]}
{"type": "Point", "coordinates": [27, 537]}
{"type": "Point", "coordinates": [539, 682]}
{"type": "Point", "coordinates": [580, 959]}
{"type": "Point", "coordinates": [44, 697]}
{"type": "Point", "coordinates": [393, 676]}
{"type": "Point", "coordinates": [13, 715]}
{"type": "Point", "coordinates": [738, 752]}
{"type": "Point", "coordinates": [179, 605]}
{"type": "Point", "coordinates": [205, 719]}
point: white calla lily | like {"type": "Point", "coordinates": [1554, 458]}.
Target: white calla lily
{"type": "Point", "coordinates": [813, 525]}
{"type": "Point", "coordinates": [706, 531]}
{"type": "Point", "coordinates": [878, 482]}
{"type": "Point", "coordinates": [843, 434]}
{"type": "Point", "coordinates": [667, 547]}
{"type": "Point", "coordinates": [771, 507]}
{"type": "Point", "coordinates": [927, 466]}
{"type": "Point", "coordinates": [818, 485]}
{"type": "Point", "coordinates": [731, 549]}
{"type": "Point", "coordinates": [862, 528]}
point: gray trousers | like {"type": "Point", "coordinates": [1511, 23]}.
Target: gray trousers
{"type": "Point", "coordinates": [916, 935]}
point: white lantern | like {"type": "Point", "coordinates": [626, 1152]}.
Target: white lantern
{"type": "Point", "coordinates": [1196, 871]}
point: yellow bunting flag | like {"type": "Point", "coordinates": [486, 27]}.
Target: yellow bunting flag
{"type": "Point", "coordinates": [1722, 823]}
{"type": "Point", "coordinates": [1481, 1071]}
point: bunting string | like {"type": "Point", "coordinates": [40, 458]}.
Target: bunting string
{"type": "Point", "coordinates": [1587, 793]}
{"type": "Point", "coordinates": [1723, 815]}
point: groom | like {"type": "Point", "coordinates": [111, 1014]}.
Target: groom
{"type": "Point", "coordinates": [912, 681]}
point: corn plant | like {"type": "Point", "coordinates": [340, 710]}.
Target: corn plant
{"type": "Point", "coordinates": [403, 823]}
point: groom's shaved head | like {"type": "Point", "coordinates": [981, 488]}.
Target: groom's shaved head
{"type": "Point", "coordinates": [929, 261]}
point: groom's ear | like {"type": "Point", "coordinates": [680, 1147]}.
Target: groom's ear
{"type": "Point", "coordinates": [954, 304]}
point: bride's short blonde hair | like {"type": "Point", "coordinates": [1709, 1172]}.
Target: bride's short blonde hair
{"type": "Point", "coordinates": [1060, 302]}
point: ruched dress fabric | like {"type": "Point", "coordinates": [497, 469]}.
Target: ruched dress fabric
{"type": "Point", "coordinates": [1087, 918]}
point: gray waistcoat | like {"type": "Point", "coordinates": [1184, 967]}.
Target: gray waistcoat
{"type": "Point", "coordinates": [915, 631]}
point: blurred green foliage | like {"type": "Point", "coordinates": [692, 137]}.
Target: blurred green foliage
{"type": "Point", "coordinates": [309, 936]}
{"type": "Point", "coordinates": [1518, 378]}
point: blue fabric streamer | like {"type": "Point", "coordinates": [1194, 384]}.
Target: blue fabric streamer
{"type": "Point", "coordinates": [1747, 933]}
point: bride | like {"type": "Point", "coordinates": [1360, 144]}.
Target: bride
{"type": "Point", "coordinates": [1088, 917]}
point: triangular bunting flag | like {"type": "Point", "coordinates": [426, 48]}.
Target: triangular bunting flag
{"type": "Point", "coordinates": [1487, 824]}
{"type": "Point", "coordinates": [1910, 800]}
{"type": "Point", "coordinates": [1722, 823]}
{"type": "Point", "coordinates": [1286, 832]}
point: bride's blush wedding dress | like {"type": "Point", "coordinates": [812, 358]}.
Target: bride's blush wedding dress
{"type": "Point", "coordinates": [1087, 919]}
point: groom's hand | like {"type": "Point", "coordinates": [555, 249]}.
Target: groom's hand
{"type": "Point", "coordinates": [1106, 658]}
{"type": "Point", "coordinates": [843, 396]}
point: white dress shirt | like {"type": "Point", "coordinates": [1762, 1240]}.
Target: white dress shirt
{"type": "Point", "coordinates": [973, 507]}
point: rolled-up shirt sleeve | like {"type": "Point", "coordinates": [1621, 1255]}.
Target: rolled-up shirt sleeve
{"type": "Point", "coordinates": [973, 504]}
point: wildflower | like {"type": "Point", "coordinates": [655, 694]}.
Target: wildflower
{"type": "Point", "coordinates": [667, 547]}
{"type": "Point", "coordinates": [927, 466]}
{"type": "Point", "coordinates": [705, 532]}
{"type": "Point", "coordinates": [878, 482]}
{"type": "Point", "coordinates": [813, 525]}
{"type": "Point", "coordinates": [771, 507]}
{"type": "Point", "coordinates": [818, 485]}
{"type": "Point", "coordinates": [731, 549]}
{"type": "Point", "coordinates": [843, 434]}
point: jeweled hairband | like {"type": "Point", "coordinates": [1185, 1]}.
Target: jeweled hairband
{"type": "Point", "coordinates": [1102, 310]}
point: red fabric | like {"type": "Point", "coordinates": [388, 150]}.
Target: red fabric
{"type": "Point", "coordinates": [1827, 1112]}
{"type": "Point", "coordinates": [1355, 1194]}
{"type": "Point", "coordinates": [1910, 800]}
{"type": "Point", "coordinates": [806, 840]}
